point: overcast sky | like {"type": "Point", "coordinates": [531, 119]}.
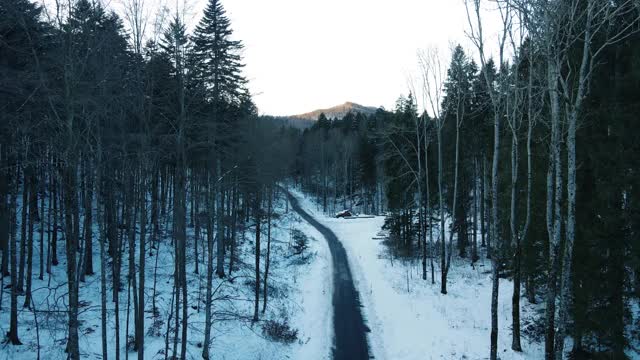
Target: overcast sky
{"type": "Point", "coordinates": [303, 55]}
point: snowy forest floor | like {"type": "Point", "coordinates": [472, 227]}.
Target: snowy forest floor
{"type": "Point", "coordinates": [299, 292]}
{"type": "Point", "coordinates": [408, 317]}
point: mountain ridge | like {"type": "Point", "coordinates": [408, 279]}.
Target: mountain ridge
{"type": "Point", "coordinates": [337, 112]}
{"type": "Point", "coordinates": [306, 120]}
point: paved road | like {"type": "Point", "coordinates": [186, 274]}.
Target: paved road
{"type": "Point", "coordinates": [350, 341]}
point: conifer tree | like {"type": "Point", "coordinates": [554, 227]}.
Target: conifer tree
{"type": "Point", "coordinates": [219, 63]}
{"type": "Point", "coordinates": [217, 67]}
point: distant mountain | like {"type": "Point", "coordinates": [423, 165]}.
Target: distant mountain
{"type": "Point", "coordinates": [337, 112]}
{"type": "Point", "coordinates": [305, 121]}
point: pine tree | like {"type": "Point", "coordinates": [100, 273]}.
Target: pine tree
{"type": "Point", "coordinates": [217, 55]}
{"type": "Point", "coordinates": [216, 64]}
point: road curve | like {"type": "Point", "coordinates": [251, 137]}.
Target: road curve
{"type": "Point", "coordinates": [350, 338]}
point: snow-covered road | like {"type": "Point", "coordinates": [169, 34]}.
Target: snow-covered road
{"type": "Point", "coordinates": [350, 339]}
{"type": "Point", "coordinates": [408, 317]}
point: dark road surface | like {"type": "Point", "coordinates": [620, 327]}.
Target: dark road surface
{"type": "Point", "coordinates": [350, 331]}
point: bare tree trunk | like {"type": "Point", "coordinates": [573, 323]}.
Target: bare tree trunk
{"type": "Point", "coordinates": [49, 222]}
{"type": "Point", "coordinates": [531, 119]}
{"type": "Point", "coordinates": [141, 263]}
{"type": "Point", "coordinates": [132, 200]}
{"type": "Point", "coordinates": [163, 190]}
{"type": "Point", "coordinates": [443, 250]}
{"type": "Point", "coordinates": [103, 257]}
{"type": "Point", "coordinates": [422, 233]}
{"type": "Point", "coordinates": [257, 214]}
{"type": "Point", "coordinates": [154, 207]}
{"type": "Point", "coordinates": [117, 256]}
{"type": "Point", "coordinates": [429, 208]}
{"type": "Point", "coordinates": [126, 328]}
{"type": "Point", "coordinates": [196, 221]}
{"type": "Point", "coordinates": [166, 334]}
{"type": "Point", "coordinates": [155, 282]}
{"type": "Point", "coordinates": [494, 236]}
{"type": "Point", "coordinates": [43, 181]}
{"type": "Point", "coordinates": [111, 218]}
{"type": "Point", "coordinates": [228, 213]}
{"type": "Point", "coordinates": [72, 231]}
{"type": "Point", "coordinates": [185, 301]}
{"type": "Point", "coordinates": [515, 236]}
{"type": "Point", "coordinates": [54, 227]}
{"type": "Point", "coordinates": [180, 218]}
{"type": "Point", "coordinates": [192, 198]}
{"type": "Point", "coordinates": [268, 259]}
{"type": "Point", "coordinates": [33, 211]}
{"type": "Point", "coordinates": [220, 227]}
{"type": "Point", "coordinates": [23, 229]}
{"type": "Point", "coordinates": [13, 322]}
{"type": "Point", "coordinates": [554, 200]}
{"type": "Point", "coordinates": [234, 225]}
{"type": "Point", "coordinates": [474, 250]}
{"type": "Point", "coordinates": [483, 202]}
{"type": "Point", "coordinates": [575, 109]}
{"type": "Point", "coordinates": [208, 300]}
{"type": "Point", "coordinates": [88, 222]}
{"type": "Point", "coordinates": [82, 190]}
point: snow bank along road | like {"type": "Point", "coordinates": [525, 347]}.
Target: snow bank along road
{"type": "Point", "coordinates": [350, 338]}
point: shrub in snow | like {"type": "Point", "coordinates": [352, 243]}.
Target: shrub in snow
{"type": "Point", "coordinates": [300, 242]}
{"type": "Point", "coordinates": [280, 330]}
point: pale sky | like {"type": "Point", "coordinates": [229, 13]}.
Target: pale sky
{"type": "Point", "coordinates": [303, 55]}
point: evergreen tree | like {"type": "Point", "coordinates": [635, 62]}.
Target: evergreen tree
{"type": "Point", "coordinates": [217, 55]}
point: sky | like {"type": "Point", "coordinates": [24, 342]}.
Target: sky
{"type": "Point", "coordinates": [303, 55]}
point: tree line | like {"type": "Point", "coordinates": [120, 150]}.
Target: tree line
{"type": "Point", "coordinates": [529, 159]}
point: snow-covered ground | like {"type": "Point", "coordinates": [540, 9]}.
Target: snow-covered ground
{"type": "Point", "coordinates": [300, 291]}
{"type": "Point", "coordinates": [408, 317]}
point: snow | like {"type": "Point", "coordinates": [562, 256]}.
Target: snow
{"type": "Point", "coordinates": [408, 317]}
{"type": "Point", "coordinates": [317, 314]}
{"type": "Point", "coordinates": [302, 293]}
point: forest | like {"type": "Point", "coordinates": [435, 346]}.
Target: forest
{"type": "Point", "coordinates": [125, 136]}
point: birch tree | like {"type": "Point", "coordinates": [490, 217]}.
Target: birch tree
{"type": "Point", "coordinates": [476, 35]}
{"type": "Point", "coordinates": [433, 75]}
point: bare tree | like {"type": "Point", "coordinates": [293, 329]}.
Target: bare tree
{"type": "Point", "coordinates": [476, 36]}
{"type": "Point", "coordinates": [268, 258]}
{"type": "Point", "coordinates": [13, 322]}
{"type": "Point", "coordinates": [433, 74]}
{"type": "Point", "coordinates": [257, 213]}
